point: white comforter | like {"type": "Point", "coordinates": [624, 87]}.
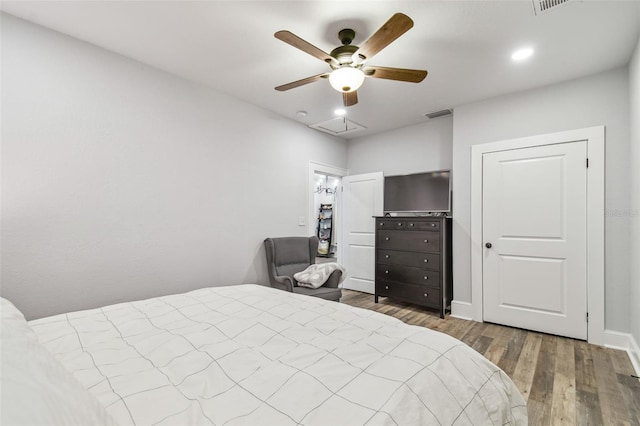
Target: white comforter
{"type": "Point", "coordinates": [252, 355]}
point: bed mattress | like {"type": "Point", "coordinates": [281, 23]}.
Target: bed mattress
{"type": "Point", "coordinates": [252, 355]}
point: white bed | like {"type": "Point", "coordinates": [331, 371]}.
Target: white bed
{"type": "Point", "coordinates": [252, 355]}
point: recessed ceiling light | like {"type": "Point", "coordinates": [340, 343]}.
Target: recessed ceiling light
{"type": "Point", "coordinates": [522, 54]}
{"type": "Point", "coordinates": [340, 111]}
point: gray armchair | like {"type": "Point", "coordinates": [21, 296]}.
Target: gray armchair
{"type": "Point", "coordinates": [289, 255]}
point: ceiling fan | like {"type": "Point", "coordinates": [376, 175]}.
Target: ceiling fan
{"type": "Point", "coordinates": [349, 63]}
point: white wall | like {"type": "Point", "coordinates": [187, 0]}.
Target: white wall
{"type": "Point", "coordinates": [418, 148]}
{"type": "Point", "coordinates": [601, 99]}
{"type": "Point", "coordinates": [122, 182]}
{"type": "Point", "coordinates": [634, 281]}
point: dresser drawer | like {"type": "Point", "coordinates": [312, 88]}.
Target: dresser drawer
{"type": "Point", "coordinates": [412, 293]}
{"type": "Point", "coordinates": [391, 224]}
{"type": "Point", "coordinates": [409, 224]}
{"type": "Point", "coordinates": [422, 241]}
{"type": "Point", "coordinates": [432, 225]}
{"type": "Point", "coordinates": [408, 274]}
{"type": "Point", "coordinates": [423, 260]}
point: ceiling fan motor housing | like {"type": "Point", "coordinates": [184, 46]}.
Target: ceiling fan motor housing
{"type": "Point", "coordinates": [344, 55]}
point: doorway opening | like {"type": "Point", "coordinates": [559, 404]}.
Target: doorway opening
{"type": "Point", "coordinates": [323, 218]}
{"type": "Point", "coordinates": [327, 216]}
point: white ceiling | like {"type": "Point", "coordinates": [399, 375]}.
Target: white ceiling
{"type": "Point", "coordinates": [465, 46]}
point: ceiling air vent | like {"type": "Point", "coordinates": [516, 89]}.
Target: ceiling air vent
{"type": "Point", "coordinates": [338, 126]}
{"type": "Point", "coordinates": [541, 6]}
{"type": "Point", "coordinates": [437, 114]}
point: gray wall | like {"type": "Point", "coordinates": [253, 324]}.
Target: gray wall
{"type": "Point", "coordinates": [418, 148]}
{"type": "Point", "coordinates": [122, 182]}
{"type": "Point", "coordinates": [634, 282]}
{"type": "Point", "coordinates": [601, 99]}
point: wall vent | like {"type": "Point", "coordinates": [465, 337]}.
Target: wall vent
{"type": "Point", "coordinates": [437, 114]}
{"type": "Point", "coordinates": [541, 6]}
{"type": "Point", "coordinates": [338, 126]}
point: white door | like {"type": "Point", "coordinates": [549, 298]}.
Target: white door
{"type": "Point", "coordinates": [534, 232]}
{"type": "Point", "coordinates": [361, 201]}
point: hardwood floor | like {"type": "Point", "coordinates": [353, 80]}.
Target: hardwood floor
{"type": "Point", "coordinates": [565, 381]}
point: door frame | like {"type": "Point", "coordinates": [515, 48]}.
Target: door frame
{"type": "Point", "coordinates": [312, 215]}
{"type": "Point", "coordinates": [595, 137]}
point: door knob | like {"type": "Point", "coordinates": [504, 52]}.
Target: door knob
{"type": "Point", "coordinates": [488, 245]}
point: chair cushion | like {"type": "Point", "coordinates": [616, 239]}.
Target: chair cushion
{"type": "Point", "coordinates": [322, 292]}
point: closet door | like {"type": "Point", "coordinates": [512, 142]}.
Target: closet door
{"type": "Point", "coordinates": [535, 240]}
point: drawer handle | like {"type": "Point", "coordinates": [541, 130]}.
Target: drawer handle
{"type": "Point", "coordinates": [411, 224]}
{"type": "Point", "coordinates": [426, 277]}
{"type": "Point", "coordinates": [381, 223]}
{"type": "Point", "coordinates": [387, 239]}
{"type": "Point", "coordinates": [426, 295]}
{"type": "Point", "coordinates": [386, 272]}
{"type": "Point", "coordinates": [433, 225]}
{"type": "Point", "coordinates": [386, 287]}
{"type": "Point", "coordinates": [426, 261]}
{"type": "Point", "coordinates": [426, 241]}
{"type": "Point", "coordinates": [399, 223]}
{"type": "Point", "coordinates": [386, 256]}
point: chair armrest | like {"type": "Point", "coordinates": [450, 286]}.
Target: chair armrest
{"type": "Point", "coordinates": [334, 279]}
{"type": "Point", "coordinates": [283, 282]}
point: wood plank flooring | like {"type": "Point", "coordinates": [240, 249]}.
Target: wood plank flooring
{"type": "Point", "coordinates": [565, 381]}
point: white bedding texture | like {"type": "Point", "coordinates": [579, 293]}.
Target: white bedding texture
{"type": "Point", "coordinates": [35, 388]}
{"type": "Point", "coordinates": [252, 355]}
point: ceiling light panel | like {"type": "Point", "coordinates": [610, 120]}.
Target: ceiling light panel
{"type": "Point", "coordinates": [522, 54]}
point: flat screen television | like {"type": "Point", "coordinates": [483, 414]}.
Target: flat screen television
{"type": "Point", "coordinates": [418, 193]}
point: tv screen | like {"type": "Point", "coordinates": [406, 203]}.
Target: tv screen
{"type": "Point", "coordinates": [418, 193]}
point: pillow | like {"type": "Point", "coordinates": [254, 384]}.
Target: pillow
{"type": "Point", "coordinates": [36, 388]}
{"type": "Point", "coordinates": [318, 274]}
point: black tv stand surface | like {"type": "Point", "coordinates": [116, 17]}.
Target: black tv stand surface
{"type": "Point", "coordinates": [416, 214]}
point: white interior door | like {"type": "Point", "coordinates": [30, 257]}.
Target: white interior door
{"type": "Point", "coordinates": [361, 201]}
{"type": "Point", "coordinates": [535, 235]}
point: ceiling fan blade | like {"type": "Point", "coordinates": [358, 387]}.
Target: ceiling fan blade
{"type": "Point", "coordinates": [350, 98]}
{"type": "Point", "coordinates": [399, 74]}
{"type": "Point", "coordinates": [397, 25]}
{"type": "Point", "coordinates": [295, 41]}
{"type": "Point", "coordinates": [302, 82]}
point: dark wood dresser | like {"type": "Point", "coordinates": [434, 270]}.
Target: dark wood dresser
{"type": "Point", "coordinates": [413, 260]}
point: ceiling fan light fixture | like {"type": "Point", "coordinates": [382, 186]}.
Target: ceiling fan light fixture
{"type": "Point", "coordinates": [346, 79]}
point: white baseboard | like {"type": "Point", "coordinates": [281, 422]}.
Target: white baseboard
{"type": "Point", "coordinates": [462, 310]}
{"type": "Point", "coordinates": [634, 354]}
{"type": "Point", "coordinates": [616, 340]}
{"type": "Point", "coordinates": [625, 342]}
